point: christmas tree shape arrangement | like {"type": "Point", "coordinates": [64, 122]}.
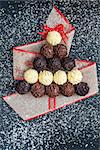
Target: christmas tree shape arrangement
{"type": "Point", "coordinates": [29, 107]}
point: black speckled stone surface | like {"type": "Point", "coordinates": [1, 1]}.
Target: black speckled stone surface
{"type": "Point", "coordinates": [71, 128]}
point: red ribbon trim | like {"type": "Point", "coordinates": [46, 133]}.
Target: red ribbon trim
{"type": "Point", "coordinates": [59, 28]}
{"type": "Point", "coordinates": [51, 103]}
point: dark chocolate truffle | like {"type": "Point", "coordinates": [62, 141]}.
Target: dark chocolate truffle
{"type": "Point", "coordinates": [54, 64]}
{"type": "Point", "coordinates": [82, 89]}
{"type": "Point", "coordinates": [52, 90]}
{"type": "Point", "coordinates": [23, 87]}
{"type": "Point", "coordinates": [38, 90]}
{"type": "Point", "coordinates": [67, 89]}
{"type": "Point", "coordinates": [60, 51]}
{"type": "Point", "coordinates": [47, 51]}
{"type": "Point", "coordinates": [68, 63]}
{"type": "Point", "coordinates": [39, 63]}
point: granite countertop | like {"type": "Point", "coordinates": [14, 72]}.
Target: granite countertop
{"type": "Point", "coordinates": [74, 127]}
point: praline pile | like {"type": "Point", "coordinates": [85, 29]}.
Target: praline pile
{"type": "Point", "coordinates": [53, 73]}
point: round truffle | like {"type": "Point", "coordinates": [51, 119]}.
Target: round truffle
{"type": "Point", "coordinates": [22, 87]}
{"type": "Point", "coordinates": [68, 63]}
{"type": "Point", "coordinates": [47, 51]}
{"type": "Point", "coordinates": [45, 77]}
{"type": "Point", "coordinates": [31, 76]}
{"type": "Point", "coordinates": [67, 89]}
{"type": "Point", "coordinates": [39, 63]}
{"type": "Point", "coordinates": [60, 51]}
{"type": "Point", "coordinates": [52, 90]}
{"type": "Point", "coordinates": [53, 38]}
{"type": "Point", "coordinates": [60, 77]}
{"type": "Point", "coordinates": [82, 89]}
{"type": "Point", "coordinates": [38, 90]}
{"type": "Point", "coordinates": [75, 76]}
{"type": "Point", "coordinates": [54, 64]}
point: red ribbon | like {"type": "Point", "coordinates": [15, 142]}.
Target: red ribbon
{"type": "Point", "coordinates": [59, 28]}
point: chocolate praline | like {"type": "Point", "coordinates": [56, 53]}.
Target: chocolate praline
{"type": "Point", "coordinates": [22, 87]}
{"type": "Point", "coordinates": [38, 90]}
{"type": "Point", "coordinates": [68, 63]}
{"type": "Point", "coordinates": [39, 63]}
{"type": "Point", "coordinates": [52, 90]}
{"type": "Point", "coordinates": [54, 64]}
{"type": "Point", "coordinates": [82, 89]}
{"type": "Point", "coordinates": [47, 51]}
{"type": "Point", "coordinates": [60, 51]}
{"type": "Point", "coordinates": [67, 89]}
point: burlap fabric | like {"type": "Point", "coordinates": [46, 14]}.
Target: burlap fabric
{"type": "Point", "coordinates": [29, 107]}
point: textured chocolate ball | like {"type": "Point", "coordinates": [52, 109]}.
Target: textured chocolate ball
{"type": "Point", "coordinates": [23, 87]}
{"type": "Point", "coordinates": [67, 89]}
{"type": "Point", "coordinates": [54, 64]}
{"type": "Point", "coordinates": [38, 90]}
{"type": "Point", "coordinates": [60, 51]}
{"type": "Point", "coordinates": [82, 89]}
{"type": "Point", "coordinates": [39, 63]}
{"type": "Point", "coordinates": [47, 51]}
{"type": "Point", "coordinates": [68, 63]}
{"type": "Point", "coordinates": [52, 90]}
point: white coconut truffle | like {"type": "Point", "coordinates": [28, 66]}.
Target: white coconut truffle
{"type": "Point", "coordinates": [75, 76]}
{"type": "Point", "coordinates": [53, 38]}
{"type": "Point", "coordinates": [60, 77]}
{"type": "Point", "coordinates": [31, 76]}
{"type": "Point", "coordinates": [45, 77]}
